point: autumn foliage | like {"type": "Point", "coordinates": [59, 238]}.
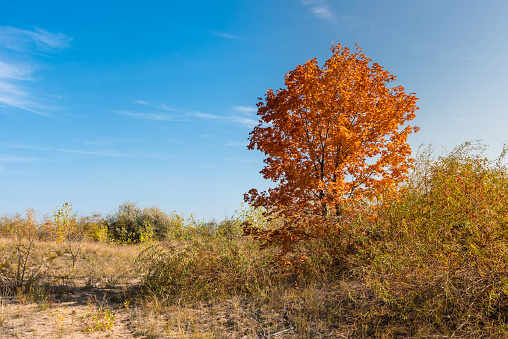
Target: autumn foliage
{"type": "Point", "coordinates": [334, 134]}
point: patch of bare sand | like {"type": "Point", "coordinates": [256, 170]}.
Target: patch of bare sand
{"type": "Point", "coordinates": [77, 314]}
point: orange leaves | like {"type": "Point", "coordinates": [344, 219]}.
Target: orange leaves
{"type": "Point", "coordinates": [333, 134]}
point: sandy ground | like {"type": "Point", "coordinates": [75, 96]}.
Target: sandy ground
{"type": "Point", "coordinates": [76, 314]}
{"type": "Point", "coordinates": [100, 313]}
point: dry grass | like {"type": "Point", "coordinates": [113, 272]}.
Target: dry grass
{"type": "Point", "coordinates": [433, 263]}
{"type": "Point", "coordinates": [98, 265]}
{"type": "Point", "coordinates": [244, 297]}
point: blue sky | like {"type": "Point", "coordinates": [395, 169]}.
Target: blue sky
{"type": "Point", "coordinates": [103, 102]}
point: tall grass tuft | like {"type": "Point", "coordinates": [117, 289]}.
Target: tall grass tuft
{"type": "Point", "coordinates": [204, 269]}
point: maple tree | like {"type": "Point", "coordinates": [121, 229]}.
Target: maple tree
{"type": "Point", "coordinates": [332, 135]}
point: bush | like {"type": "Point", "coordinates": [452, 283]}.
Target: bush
{"type": "Point", "coordinates": [130, 222]}
{"type": "Point", "coordinates": [461, 195]}
{"type": "Point", "coordinates": [432, 259]}
{"type": "Point", "coordinates": [443, 251]}
{"type": "Point", "coordinates": [94, 228]}
{"type": "Point", "coordinates": [20, 266]}
{"type": "Point", "coordinates": [204, 269]}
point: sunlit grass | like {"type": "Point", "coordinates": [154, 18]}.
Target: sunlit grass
{"type": "Point", "coordinates": [432, 262]}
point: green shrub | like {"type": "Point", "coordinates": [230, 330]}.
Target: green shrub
{"type": "Point", "coordinates": [130, 221]}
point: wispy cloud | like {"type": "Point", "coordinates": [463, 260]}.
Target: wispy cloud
{"type": "Point", "coordinates": [242, 119]}
{"type": "Point", "coordinates": [248, 122]}
{"type": "Point", "coordinates": [12, 159]}
{"type": "Point", "coordinates": [320, 9]}
{"type": "Point", "coordinates": [246, 109]}
{"type": "Point", "coordinates": [225, 35]}
{"type": "Point", "coordinates": [149, 116]}
{"type": "Point", "coordinates": [102, 153]}
{"type": "Point", "coordinates": [237, 144]}
{"type": "Point", "coordinates": [161, 106]}
{"type": "Point", "coordinates": [16, 71]}
{"type": "Point", "coordinates": [18, 48]}
{"type": "Point", "coordinates": [15, 146]}
{"type": "Point", "coordinates": [243, 115]}
{"type": "Point", "coordinates": [93, 142]}
{"type": "Point", "coordinates": [14, 95]}
{"type": "Point", "coordinates": [32, 41]}
{"type": "Point", "coordinates": [247, 116]}
{"type": "Point", "coordinates": [106, 141]}
{"type": "Point", "coordinates": [56, 150]}
{"type": "Point", "coordinates": [206, 115]}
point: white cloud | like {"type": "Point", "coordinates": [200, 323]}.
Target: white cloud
{"type": "Point", "coordinates": [16, 96]}
{"type": "Point", "coordinates": [320, 9]}
{"type": "Point", "coordinates": [32, 41]}
{"type": "Point", "coordinates": [5, 159]}
{"type": "Point", "coordinates": [206, 115]}
{"type": "Point", "coordinates": [149, 116]}
{"type": "Point", "coordinates": [11, 159]}
{"type": "Point", "coordinates": [246, 121]}
{"type": "Point", "coordinates": [74, 151]}
{"type": "Point", "coordinates": [15, 71]}
{"type": "Point", "coordinates": [237, 144]}
{"type": "Point", "coordinates": [226, 35]}
{"type": "Point", "coordinates": [246, 116]}
{"type": "Point", "coordinates": [246, 109]}
{"type": "Point", "coordinates": [323, 12]}
{"type": "Point", "coordinates": [19, 146]}
{"type": "Point", "coordinates": [17, 50]}
{"type": "Point", "coordinates": [161, 106]}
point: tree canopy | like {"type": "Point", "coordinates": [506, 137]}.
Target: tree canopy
{"type": "Point", "coordinates": [333, 134]}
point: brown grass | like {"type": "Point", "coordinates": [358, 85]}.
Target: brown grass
{"type": "Point", "coordinates": [432, 264]}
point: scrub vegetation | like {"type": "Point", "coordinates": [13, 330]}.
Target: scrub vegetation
{"type": "Point", "coordinates": [428, 261]}
{"type": "Point", "coordinates": [356, 240]}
